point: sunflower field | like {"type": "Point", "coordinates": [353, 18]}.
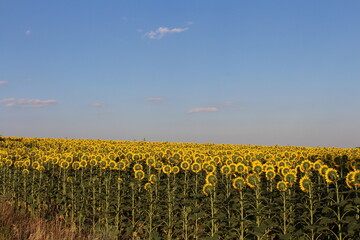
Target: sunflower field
{"type": "Point", "coordinates": [160, 190]}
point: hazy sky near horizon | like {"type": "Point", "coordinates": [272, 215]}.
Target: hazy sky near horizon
{"type": "Point", "coordinates": [240, 72]}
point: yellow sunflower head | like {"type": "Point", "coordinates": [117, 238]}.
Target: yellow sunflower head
{"type": "Point", "coordinates": [350, 180]}
{"type": "Point", "coordinates": [253, 180]}
{"type": "Point", "coordinates": [93, 162]}
{"type": "Point", "coordinates": [185, 165]}
{"type": "Point", "coordinates": [290, 178]}
{"type": "Point", "coordinates": [239, 183]}
{"type": "Point", "coordinates": [211, 179]}
{"type": "Point", "coordinates": [317, 165]}
{"type": "Point", "coordinates": [195, 167]}
{"type": "Point", "coordinates": [76, 165]}
{"type": "Point", "coordinates": [241, 168]}
{"type": "Point", "coordinates": [175, 169]}
{"type": "Point", "coordinates": [331, 175]}
{"type": "Point", "coordinates": [225, 169]}
{"type": "Point", "coordinates": [270, 175]}
{"type": "Point", "coordinates": [208, 189]}
{"type": "Point", "coordinates": [139, 175]}
{"type": "Point", "coordinates": [121, 165]}
{"type": "Point", "coordinates": [158, 165]}
{"type": "Point", "coordinates": [137, 167]}
{"type": "Point", "coordinates": [323, 169]}
{"type": "Point", "coordinates": [83, 162]}
{"type": "Point", "coordinates": [166, 169]}
{"type": "Point", "coordinates": [148, 187]}
{"type": "Point", "coordinates": [25, 171]}
{"type": "Point", "coordinates": [306, 166]}
{"type": "Point", "coordinates": [153, 179]}
{"type": "Point", "coordinates": [258, 169]}
{"type": "Point", "coordinates": [150, 162]}
{"type": "Point", "coordinates": [282, 186]}
{"type": "Point", "coordinates": [305, 184]}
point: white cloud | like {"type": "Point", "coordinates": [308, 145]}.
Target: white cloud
{"type": "Point", "coordinates": [207, 109]}
{"type": "Point", "coordinates": [97, 105]}
{"type": "Point", "coordinates": [3, 82]}
{"type": "Point", "coordinates": [28, 32]}
{"type": "Point", "coordinates": [26, 103]}
{"type": "Point", "coordinates": [154, 99]}
{"type": "Point", "coordinates": [161, 31]}
{"type": "Point", "coordinates": [230, 103]}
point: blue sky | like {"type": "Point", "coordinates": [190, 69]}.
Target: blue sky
{"type": "Point", "coordinates": [239, 72]}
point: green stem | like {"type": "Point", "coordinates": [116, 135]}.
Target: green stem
{"type": "Point", "coordinates": [169, 232]}
{"type": "Point", "coordinates": [312, 212]}
{"type": "Point", "coordinates": [242, 218]}
{"type": "Point", "coordinates": [338, 211]}
{"type": "Point", "coordinates": [284, 213]}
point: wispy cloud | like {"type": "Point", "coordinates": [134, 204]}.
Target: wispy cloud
{"type": "Point", "coordinates": [154, 99]}
{"type": "Point", "coordinates": [97, 105]}
{"type": "Point", "coordinates": [28, 32]}
{"type": "Point", "coordinates": [162, 31]}
{"type": "Point", "coordinates": [3, 82]}
{"type": "Point", "coordinates": [207, 109]}
{"type": "Point", "coordinates": [26, 103]}
{"type": "Point", "coordinates": [230, 103]}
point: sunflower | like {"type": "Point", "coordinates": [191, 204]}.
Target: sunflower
{"type": "Point", "coordinates": [25, 171]}
{"type": "Point", "coordinates": [148, 187]}
{"type": "Point", "coordinates": [150, 162]}
{"type": "Point", "coordinates": [185, 165]}
{"type": "Point", "coordinates": [331, 175]}
{"type": "Point", "coordinates": [317, 165]}
{"type": "Point", "coordinates": [75, 165]}
{"type": "Point", "coordinates": [166, 169]}
{"type": "Point", "coordinates": [211, 179]}
{"type": "Point", "coordinates": [350, 179]}
{"type": "Point", "coordinates": [290, 178]}
{"type": "Point", "coordinates": [36, 165]}
{"type": "Point", "coordinates": [18, 164]}
{"type": "Point", "coordinates": [175, 169]}
{"type": "Point", "coordinates": [323, 169]}
{"type": "Point", "coordinates": [139, 175]}
{"type": "Point", "coordinates": [241, 168]}
{"type": "Point", "coordinates": [27, 163]}
{"type": "Point", "coordinates": [210, 168]}
{"type": "Point", "coordinates": [225, 169]}
{"type": "Point", "coordinates": [239, 183]}
{"type": "Point", "coordinates": [121, 165]}
{"type": "Point", "coordinates": [306, 166]}
{"type": "Point", "coordinates": [112, 164]}
{"type": "Point", "coordinates": [83, 162]}
{"type": "Point", "coordinates": [153, 179]}
{"type": "Point", "coordinates": [137, 167]}
{"type": "Point", "coordinates": [93, 162]}
{"type": "Point", "coordinates": [8, 162]}
{"type": "Point", "coordinates": [305, 184]}
{"type": "Point", "coordinates": [158, 165]}
{"type": "Point", "coordinates": [207, 189]}
{"type": "Point", "coordinates": [195, 167]}
{"type": "Point", "coordinates": [103, 164]}
{"type": "Point", "coordinates": [270, 175]}
{"type": "Point", "coordinates": [253, 180]}
{"type": "Point", "coordinates": [232, 167]}
{"type": "Point", "coordinates": [64, 164]}
{"type": "Point", "coordinates": [258, 168]}
{"type": "Point", "coordinates": [282, 186]}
